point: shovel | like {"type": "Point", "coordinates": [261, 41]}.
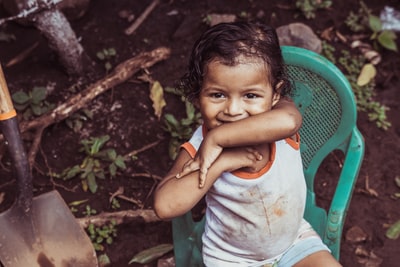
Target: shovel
{"type": "Point", "coordinates": [39, 231]}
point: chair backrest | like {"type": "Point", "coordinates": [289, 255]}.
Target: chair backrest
{"type": "Point", "coordinates": [325, 99]}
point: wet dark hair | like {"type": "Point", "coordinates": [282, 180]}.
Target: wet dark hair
{"type": "Point", "coordinates": [226, 42]}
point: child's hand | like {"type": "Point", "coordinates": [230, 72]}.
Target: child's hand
{"type": "Point", "coordinates": [234, 158]}
{"type": "Point", "coordinates": [241, 157]}
{"type": "Point", "coordinates": [201, 162]}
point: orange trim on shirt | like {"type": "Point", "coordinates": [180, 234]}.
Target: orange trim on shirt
{"type": "Point", "coordinates": [265, 169]}
{"type": "Point", "coordinates": [190, 149]}
{"type": "Point", "coordinates": [294, 143]}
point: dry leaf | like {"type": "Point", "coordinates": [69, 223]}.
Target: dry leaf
{"type": "Point", "coordinates": [157, 96]}
{"type": "Point", "coordinates": [356, 235]}
{"type": "Point", "coordinates": [368, 73]}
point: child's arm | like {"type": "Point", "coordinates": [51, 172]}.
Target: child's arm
{"type": "Point", "coordinates": [174, 197]}
{"type": "Point", "coordinates": [283, 121]}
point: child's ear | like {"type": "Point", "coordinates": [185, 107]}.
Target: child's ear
{"type": "Point", "coordinates": [196, 103]}
{"type": "Point", "coordinates": [277, 93]}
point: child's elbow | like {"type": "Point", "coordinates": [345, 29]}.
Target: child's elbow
{"type": "Point", "coordinates": [294, 121]}
{"type": "Point", "coordinates": [162, 209]}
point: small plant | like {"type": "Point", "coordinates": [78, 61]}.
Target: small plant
{"type": "Point", "coordinates": [309, 7]}
{"type": "Point", "coordinates": [115, 204]}
{"type": "Point", "coordinates": [32, 103]}
{"type": "Point", "coordinates": [106, 56]}
{"type": "Point", "coordinates": [394, 230]}
{"type": "Point", "coordinates": [101, 235]}
{"type": "Point", "coordinates": [365, 94]}
{"type": "Point", "coordinates": [76, 120]}
{"type": "Point", "coordinates": [364, 20]}
{"type": "Point", "coordinates": [97, 163]}
{"type": "Point", "coordinates": [180, 130]}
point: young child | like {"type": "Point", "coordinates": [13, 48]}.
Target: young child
{"type": "Point", "coordinates": [254, 185]}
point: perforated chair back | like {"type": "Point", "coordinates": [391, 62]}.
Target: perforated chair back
{"type": "Point", "coordinates": [325, 99]}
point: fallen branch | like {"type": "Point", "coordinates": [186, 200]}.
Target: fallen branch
{"type": "Point", "coordinates": [142, 17]}
{"type": "Point", "coordinates": [120, 74]}
{"type": "Point", "coordinates": [119, 217]}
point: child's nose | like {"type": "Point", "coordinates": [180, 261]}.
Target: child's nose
{"type": "Point", "coordinates": [234, 107]}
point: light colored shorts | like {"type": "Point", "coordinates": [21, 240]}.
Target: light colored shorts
{"type": "Point", "coordinates": [307, 243]}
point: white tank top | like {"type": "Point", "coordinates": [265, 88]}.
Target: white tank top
{"type": "Point", "coordinates": [251, 217]}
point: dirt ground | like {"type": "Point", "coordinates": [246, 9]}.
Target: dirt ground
{"type": "Point", "coordinates": [126, 114]}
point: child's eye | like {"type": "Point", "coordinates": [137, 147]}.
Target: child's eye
{"type": "Point", "coordinates": [251, 95]}
{"type": "Point", "coordinates": [217, 95]}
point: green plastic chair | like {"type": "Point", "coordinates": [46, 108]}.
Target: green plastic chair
{"type": "Point", "coordinates": [327, 103]}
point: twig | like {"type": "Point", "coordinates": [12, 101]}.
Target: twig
{"type": "Point", "coordinates": [120, 74]}
{"type": "Point", "coordinates": [147, 175]}
{"type": "Point", "coordinates": [23, 55]}
{"type": "Point", "coordinates": [142, 17]}
{"type": "Point", "coordinates": [119, 217]}
{"type": "Point", "coordinates": [120, 194]}
{"type": "Point", "coordinates": [137, 151]}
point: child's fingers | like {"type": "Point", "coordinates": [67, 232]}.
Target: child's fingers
{"type": "Point", "coordinates": [256, 154]}
{"type": "Point", "coordinates": [202, 177]}
{"type": "Point", "coordinates": [189, 167]}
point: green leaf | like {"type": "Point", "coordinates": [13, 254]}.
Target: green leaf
{"type": "Point", "coordinates": [120, 162]}
{"type": "Point", "coordinates": [170, 120]}
{"type": "Point", "coordinates": [151, 254]}
{"type": "Point", "coordinates": [111, 154]}
{"type": "Point", "coordinates": [98, 144]}
{"type": "Point", "coordinates": [112, 52]}
{"type": "Point", "coordinates": [374, 23]}
{"type": "Point", "coordinates": [394, 231]}
{"type": "Point", "coordinates": [91, 179]}
{"type": "Point", "coordinates": [20, 97]}
{"type": "Point", "coordinates": [387, 40]}
{"type": "Point", "coordinates": [38, 94]}
{"type": "Point", "coordinates": [72, 172]}
{"type": "Point", "coordinates": [77, 202]}
{"type": "Point", "coordinates": [100, 55]}
{"type": "Point", "coordinates": [113, 169]}
{"type": "Point", "coordinates": [104, 260]}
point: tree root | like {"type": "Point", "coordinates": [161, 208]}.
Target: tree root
{"type": "Point", "coordinates": [120, 74]}
{"type": "Point", "coordinates": [119, 217]}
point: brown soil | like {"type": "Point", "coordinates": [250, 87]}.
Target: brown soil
{"type": "Point", "coordinates": [126, 114]}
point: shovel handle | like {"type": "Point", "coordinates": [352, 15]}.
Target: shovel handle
{"type": "Point", "coordinates": [7, 110]}
{"type": "Point", "coordinates": [10, 129]}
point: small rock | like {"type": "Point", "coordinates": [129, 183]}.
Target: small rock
{"type": "Point", "coordinates": [215, 19]}
{"type": "Point", "coordinates": [300, 35]}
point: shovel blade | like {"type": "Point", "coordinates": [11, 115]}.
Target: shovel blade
{"type": "Point", "coordinates": [56, 239]}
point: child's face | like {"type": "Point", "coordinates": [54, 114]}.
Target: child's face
{"type": "Point", "coordinates": [231, 93]}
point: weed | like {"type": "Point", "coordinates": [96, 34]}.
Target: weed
{"type": "Point", "coordinates": [89, 211]}
{"type": "Point", "coordinates": [106, 56]}
{"type": "Point", "coordinates": [115, 204]}
{"type": "Point", "coordinates": [364, 20]}
{"type": "Point", "coordinates": [180, 130]}
{"type": "Point", "coordinates": [32, 103]}
{"type": "Point", "coordinates": [76, 120]}
{"type": "Point", "coordinates": [351, 66]}
{"type": "Point", "coordinates": [101, 235]}
{"type": "Point", "coordinates": [394, 230]}
{"type": "Point", "coordinates": [95, 163]}
{"type": "Point", "coordinates": [309, 7]}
